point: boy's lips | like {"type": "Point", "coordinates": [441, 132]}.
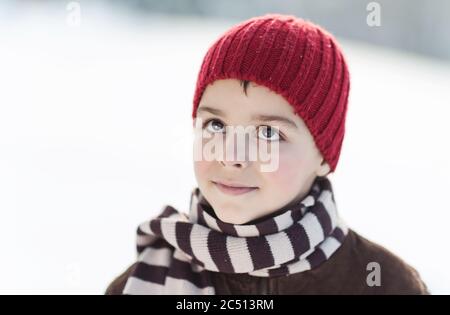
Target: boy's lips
{"type": "Point", "coordinates": [233, 188]}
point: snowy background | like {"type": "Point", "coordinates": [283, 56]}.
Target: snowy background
{"type": "Point", "coordinates": [95, 137]}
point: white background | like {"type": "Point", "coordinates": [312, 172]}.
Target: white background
{"type": "Point", "coordinates": [95, 137]}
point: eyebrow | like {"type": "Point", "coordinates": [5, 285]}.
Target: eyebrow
{"type": "Point", "coordinates": [259, 117]}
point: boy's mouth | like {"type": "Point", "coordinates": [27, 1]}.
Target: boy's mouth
{"type": "Point", "coordinates": [233, 188]}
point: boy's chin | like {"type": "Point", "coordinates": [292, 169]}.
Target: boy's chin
{"type": "Point", "coordinates": [234, 220]}
{"type": "Point", "coordinates": [232, 214]}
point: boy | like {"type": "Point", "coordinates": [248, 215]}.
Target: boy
{"type": "Point", "coordinates": [253, 228]}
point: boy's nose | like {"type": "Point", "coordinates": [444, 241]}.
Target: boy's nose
{"type": "Point", "coordinates": [238, 164]}
{"type": "Point", "coordinates": [235, 154]}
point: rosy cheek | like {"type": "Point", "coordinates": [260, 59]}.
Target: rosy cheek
{"type": "Point", "coordinates": [202, 168]}
{"type": "Point", "coordinates": [291, 163]}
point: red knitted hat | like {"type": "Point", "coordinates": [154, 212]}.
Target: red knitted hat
{"type": "Point", "coordinates": [294, 58]}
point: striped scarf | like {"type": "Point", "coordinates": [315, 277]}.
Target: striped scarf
{"type": "Point", "coordinates": [177, 252]}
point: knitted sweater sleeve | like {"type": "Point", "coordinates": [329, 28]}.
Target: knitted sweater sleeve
{"type": "Point", "coordinates": [118, 284]}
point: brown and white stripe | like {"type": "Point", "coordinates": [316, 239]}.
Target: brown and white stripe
{"type": "Point", "coordinates": [177, 252]}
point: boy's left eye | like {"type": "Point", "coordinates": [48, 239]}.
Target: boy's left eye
{"type": "Point", "coordinates": [214, 125]}
{"type": "Point", "coordinates": [269, 133]}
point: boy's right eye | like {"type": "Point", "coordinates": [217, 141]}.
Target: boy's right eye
{"type": "Point", "coordinates": [213, 125]}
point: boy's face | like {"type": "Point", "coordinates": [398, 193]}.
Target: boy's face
{"type": "Point", "coordinates": [299, 160]}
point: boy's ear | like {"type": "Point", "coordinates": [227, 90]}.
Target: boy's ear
{"type": "Point", "coordinates": [324, 169]}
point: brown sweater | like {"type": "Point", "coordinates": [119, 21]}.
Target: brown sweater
{"type": "Point", "coordinates": [346, 272]}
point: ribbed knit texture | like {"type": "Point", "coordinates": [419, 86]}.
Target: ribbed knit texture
{"type": "Point", "coordinates": [294, 58]}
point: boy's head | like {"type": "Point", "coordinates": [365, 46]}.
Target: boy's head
{"type": "Point", "coordinates": [273, 65]}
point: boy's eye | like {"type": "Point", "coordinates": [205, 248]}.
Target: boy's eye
{"type": "Point", "coordinates": [269, 133]}
{"type": "Point", "coordinates": [213, 125]}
